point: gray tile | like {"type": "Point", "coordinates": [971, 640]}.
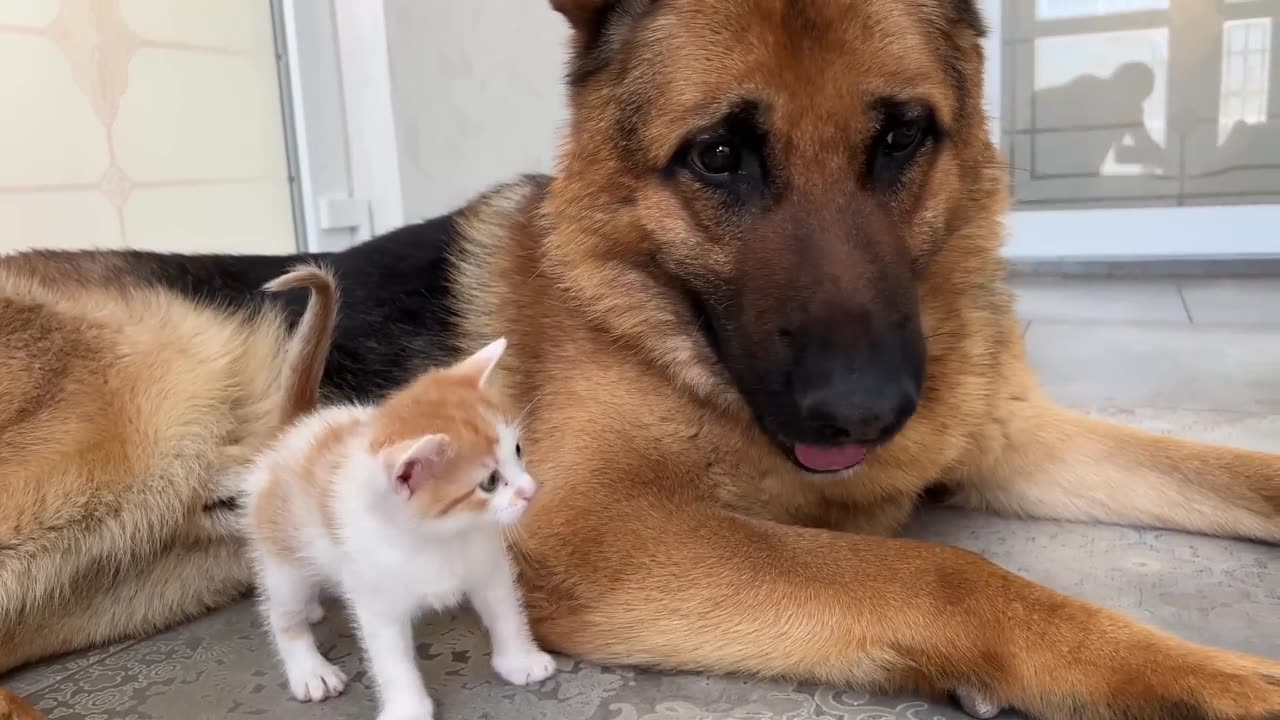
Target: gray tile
{"type": "Point", "coordinates": [1144, 267]}
{"type": "Point", "coordinates": [47, 674]}
{"type": "Point", "coordinates": [222, 667]}
{"type": "Point", "coordinates": [1137, 365]}
{"type": "Point", "coordinates": [1102, 299]}
{"type": "Point", "coordinates": [1233, 302]}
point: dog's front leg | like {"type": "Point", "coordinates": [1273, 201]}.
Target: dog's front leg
{"type": "Point", "coordinates": [673, 583]}
{"type": "Point", "coordinates": [1050, 462]}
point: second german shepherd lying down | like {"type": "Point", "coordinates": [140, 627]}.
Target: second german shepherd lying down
{"type": "Point", "coordinates": [757, 313]}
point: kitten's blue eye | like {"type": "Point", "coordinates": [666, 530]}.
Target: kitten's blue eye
{"type": "Point", "coordinates": [490, 483]}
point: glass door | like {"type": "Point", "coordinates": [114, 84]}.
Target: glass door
{"type": "Point", "coordinates": [144, 125]}
{"type": "Point", "coordinates": [1138, 128]}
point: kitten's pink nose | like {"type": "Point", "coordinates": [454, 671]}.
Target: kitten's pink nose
{"type": "Point", "coordinates": [527, 490]}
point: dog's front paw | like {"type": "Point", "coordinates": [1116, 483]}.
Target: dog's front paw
{"type": "Point", "coordinates": [523, 668]}
{"type": "Point", "coordinates": [1218, 684]}
{"type": "Point", "coordinates": [1249, 691]}
{"type": "Point", "coordinates": [1184, 682]}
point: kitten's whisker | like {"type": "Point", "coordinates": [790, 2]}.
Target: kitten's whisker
{"type": "Point", "coordinates": [519, 422]}
{"type": "Point", "coordinates": [514, 538]}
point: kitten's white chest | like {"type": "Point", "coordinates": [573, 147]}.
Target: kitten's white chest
{"type": "Point", "coordinates": [426, 572]}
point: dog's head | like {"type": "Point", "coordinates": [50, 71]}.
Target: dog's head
{"type": "Point", "coordinates": [779, 175]}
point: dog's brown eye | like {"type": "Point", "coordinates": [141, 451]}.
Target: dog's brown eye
{"type": "Point", "coordinates": [490, 483]}
{"type": "Point", "coordinates": [716, 157]}
{"type": "Point", "coordinates": [903, 136]}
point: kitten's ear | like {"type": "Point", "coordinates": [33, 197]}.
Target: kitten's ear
{"type": "Point", "coordinates": [481, 364]}
{"type": "Point", "coordinates": [416, 466]}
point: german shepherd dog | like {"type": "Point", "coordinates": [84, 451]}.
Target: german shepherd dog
{"type": "Point", "coordinates": [757, 313]}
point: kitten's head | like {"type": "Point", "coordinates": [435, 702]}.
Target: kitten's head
{"type": "Point", "coordinates": [450, 451]}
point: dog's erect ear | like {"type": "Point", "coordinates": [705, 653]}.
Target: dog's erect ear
{"type": "Point", "coordinates": [599, 28]}
{"type": "Point", "coordinates": [967, 14]}
{"type": "Point", "coordinates": [583, 15]}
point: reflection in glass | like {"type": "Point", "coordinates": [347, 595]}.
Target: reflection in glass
{"type": "Point", "coordinates": [1056, 9]}
{"type": "Point", "coordinates": [1128, 103]}
{"type": "Point", "coordinates": [1115, 84]}
{"type": "Point", "coordinates": [1246, 56]}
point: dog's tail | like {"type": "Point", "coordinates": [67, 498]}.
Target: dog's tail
{"type": "Point", "coordinates": [304, 363]}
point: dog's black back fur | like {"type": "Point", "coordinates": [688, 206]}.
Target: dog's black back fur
{"type": "Point", "coordinates": [397, 314]}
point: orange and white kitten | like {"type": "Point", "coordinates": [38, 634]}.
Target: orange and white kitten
{"type": "Point", "coordinates": [398, 507]}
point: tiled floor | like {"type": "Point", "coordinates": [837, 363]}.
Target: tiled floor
{"type": "Point", "coordinates": [1195, 358]}
{"type": "Point", "coordinates": [1202, 344]}
{"type": "Point", "coordinates": [1209, 302]}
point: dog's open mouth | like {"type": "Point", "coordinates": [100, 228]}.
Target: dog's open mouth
{"type": "Point", "coordinates": [829, 458]}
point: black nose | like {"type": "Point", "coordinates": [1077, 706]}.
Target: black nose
{"type": "Point", "coordinates": [847, 410]}
{"type": "Point", "coordinates": [851, 392]}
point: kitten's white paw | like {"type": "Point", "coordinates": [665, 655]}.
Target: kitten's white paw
{"type": "Point", "coordinates": [418, 710]}
{"type": "Point", "coordinates": [317, 682]}
{"type": "Point", "coordinates": [523, 668]}
{"type": "Point", "coordinates": [315, 613]}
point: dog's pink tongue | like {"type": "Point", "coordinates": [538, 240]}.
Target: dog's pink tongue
{"type": "Point", "coordinates": [827, 458]}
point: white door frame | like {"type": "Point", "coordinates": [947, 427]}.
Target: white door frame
{"type": "Point", "coordinates": [1221, 231]}
{"type": "Point", "coordinates": [340, 113]}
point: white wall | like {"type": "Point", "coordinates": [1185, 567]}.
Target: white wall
{"type": "Point", "coordinates": [145, 124]}
{"type": "Point", "coordinates": [477, 92]}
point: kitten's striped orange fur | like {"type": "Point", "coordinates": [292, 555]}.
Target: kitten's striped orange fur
{"type": "Point", "coordinates": [397, 506]}
{"type": "Point", "coordinates": [450, 401]}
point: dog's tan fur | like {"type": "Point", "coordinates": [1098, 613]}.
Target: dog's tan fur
{"type": "Point", "coordinates": [670, 531]}
{"type": "Point", "coordinates": [305, 359]}
{"type": "Point", "coordinates": [121, 411]}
